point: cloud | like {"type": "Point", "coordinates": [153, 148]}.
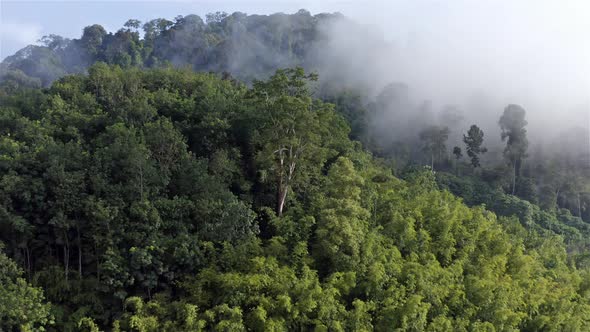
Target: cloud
{"type": "Point", "coordinates": [476, 56]}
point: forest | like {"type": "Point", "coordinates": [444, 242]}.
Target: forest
{"type": "Point", "coordinates": [211, 175]}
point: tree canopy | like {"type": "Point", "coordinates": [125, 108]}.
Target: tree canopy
{"type": "Point", "coordinates": [192, 174]}
{"type": "Point", "coordinates": [155, 200]}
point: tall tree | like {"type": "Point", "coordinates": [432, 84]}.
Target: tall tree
{"type": "Point", "coordinates": [92, 39]}
{"type": "Point", "coordinates": [473, 141]}
{"type": "Point", "coordinates": [458, 155]}
{"type": "Point", "coordinates": [289, 135]}
{"type": "Point", "coordinates": [434, 139]}
{"type": "Point", "coordinates": [512, 123]}
{"type": "Point", "coordinates": [457, 152]}
{"type": "Point", "coordinates": [132, 24]}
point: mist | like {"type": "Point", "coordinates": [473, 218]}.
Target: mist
{"type": "Point", "coordinates": [477, 57]}
{"type": "Point", "coordinates": [471, 57]}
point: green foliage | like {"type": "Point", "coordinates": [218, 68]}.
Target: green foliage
{"type": "Point", "coordinates": [512, 123]}
{"type": "Point", "coordinates": [473, 140]}
{"type": "Point", "coordinates": [475, 192]}
{"type": "Point", "coordinates": [342, 222]}
{"type": "Point", "coordinates": [22, 306]}
{"type": "Point", "coordinates": [248, 46]}
{"type": "Point", "coordinates": [147, 200]}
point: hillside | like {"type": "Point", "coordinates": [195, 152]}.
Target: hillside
{"type": "Point", "coordinates": [247, 46]}
{"type": "Point", "coordinates": [169, 200]}
{"type": "Point", "coordinates": [182, 181]}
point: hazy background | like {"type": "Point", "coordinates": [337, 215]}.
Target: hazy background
{"type": "Point", "coordinates": [478, 55]}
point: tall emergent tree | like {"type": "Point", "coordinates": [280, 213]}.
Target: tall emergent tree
{"type": "Point", "coordinates": [458, 155]}
{"type": "Point", "coordinates": [289, 139]}
{"type": "Point", "coordinates": [434, 140]}
{"type": "Point", "coordinates": [512, 123]}
{"type": "Point", "coordinates": [457, 152]}
{"type": "Point", "coordinates": [473, 141]}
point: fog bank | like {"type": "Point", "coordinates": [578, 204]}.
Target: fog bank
{"type": "Point", "coordinates": [476, 56]}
